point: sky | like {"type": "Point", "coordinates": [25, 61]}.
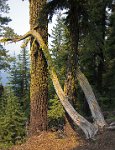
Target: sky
{"type": "Point", "coordinates": [19, 13]}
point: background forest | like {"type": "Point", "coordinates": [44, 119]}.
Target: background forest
{"type": "Point", "coordinates": [96, 59]}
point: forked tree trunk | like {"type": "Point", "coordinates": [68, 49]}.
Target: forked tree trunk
{"type": "Point", "coordinates": [89, 129]}
{"type": "Point", "coordinates": [39, 72]}
{"type": "Point", "coordinates": [91, 99]}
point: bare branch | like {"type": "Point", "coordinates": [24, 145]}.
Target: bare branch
{"type": "Point", "coordinates": [3, 40]}
{"type": "Point", "coordinates": [111, 128]}
{"type": "Point", "coordinates": [89, 129]}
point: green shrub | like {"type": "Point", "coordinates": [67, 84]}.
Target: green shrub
{"type": "Point", "coordinates": [55, 113]}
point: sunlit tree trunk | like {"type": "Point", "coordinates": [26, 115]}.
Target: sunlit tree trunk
{"type": "Point", "coordinates": [39, 72]}
{"type": "Point", "coordinates": [89, 129]}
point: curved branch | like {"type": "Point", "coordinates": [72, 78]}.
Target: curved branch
{"type": "Point", "coordinates": [89, 129]}
{"type": "Point", "coordinates": [16, 39]}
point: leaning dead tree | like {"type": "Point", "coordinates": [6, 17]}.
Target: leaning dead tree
{"type": "Point", "coordinates": [91, 99]}
{"type": "Point", "coordinates": [89, 129]}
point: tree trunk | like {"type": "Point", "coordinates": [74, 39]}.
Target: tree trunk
{"type": "Point", "coordinates": [39, 72]}
{"type": "Point", "coordinates": [89, 129]}
{"type": "Point", "coordinates": [71, 80]}
{"type": "Point", "coordinates": [69, 128]}
{"type": "Point", "coordinates": [72, 65]}
{"type": "Point", "coordinates": [91, 99]}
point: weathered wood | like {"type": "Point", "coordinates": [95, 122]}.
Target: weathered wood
{"type": "Point", "coordinates": [91, 99]}
{"type": "Point", "coordinates": [112, 123]}
{"type": "Point", "coordinates": [111, 128]}
{"type": "Point", "coordinates": [89, 129]}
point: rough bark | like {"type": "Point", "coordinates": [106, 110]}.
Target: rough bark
{"type": "Point", "coordinates": [89, 129]}
{"type": "Point", "coordinates": [91, 99]}
{"type": "Point", "coordinates": [39, 76]}
{"type": "Point", "coordinates": [95, 109]}
{"type": "Point", "coordinates": [71, 80]}
{"type": "Point", "coordinates": [72, 65]}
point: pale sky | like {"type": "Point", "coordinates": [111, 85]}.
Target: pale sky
{"type": "Point", "coordinates": [19, 13]}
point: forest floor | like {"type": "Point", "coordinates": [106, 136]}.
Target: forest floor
{"type": "Point", "coordinates": [54, 141]}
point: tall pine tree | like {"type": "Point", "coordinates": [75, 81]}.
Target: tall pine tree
{"type": "Point", "coordinates": [12, 121]}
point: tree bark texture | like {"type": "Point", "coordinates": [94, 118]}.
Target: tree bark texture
{"type": "Point", "coordinates": [39, 72]}
{"type": "Point", "coordinates": [71, 80]}
{"type": "Point", "coordinates": [89, 129]}
{"type": "Point", "coordinates": [73, 27]}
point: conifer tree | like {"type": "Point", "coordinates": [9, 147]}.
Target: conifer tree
{"type": "Point", "coordinates": [20, 78]}
{"type": "Point", "coordinates": [109, 78]}
{"type": "Point", "coordinates": [13, 76]}
{"type": "Point", "coordinates": [59, 47]}
{"type": "Point", "coordinates": [77, 11]}
{"type": "Point", "coordinates": [12, 122]}
{"type": "Point", "coordinates": [4, 56]}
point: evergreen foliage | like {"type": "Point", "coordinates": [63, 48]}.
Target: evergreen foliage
{"type": "Point", "coordinates": [12, 121]}
{"type": "Point", "coordinates": [4, 56]}
{"type": "Point", "coordinates": [92, 50]}
{"type": "Point", "coordinates": [19, 79]}
{"type": "Point", "coordinates": [58, 50]}
{"type": "Point", "coordinates": [55, 113]}
{"type": "Point", "coordinates": [109, 78]}
{"type": "Point", "coordinates": [95, 38]}
{"type": "Point", "coordinates": [59, 47]}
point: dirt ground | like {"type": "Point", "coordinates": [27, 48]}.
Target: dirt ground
{"type": "Point", "coordinates": [104, 141]}
{"type": "Point", "coordinates": [58, 141]}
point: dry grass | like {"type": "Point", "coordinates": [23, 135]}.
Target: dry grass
{"type": "Point", "coordinates": [50, 141]}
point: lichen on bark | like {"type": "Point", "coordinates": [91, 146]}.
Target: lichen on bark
{"type": "Point", "coordinates": [39, 72]}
